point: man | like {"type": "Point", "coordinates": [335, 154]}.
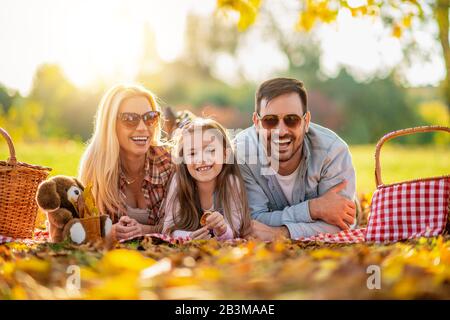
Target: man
{"type": "Point", "coordinates": [299, 176]}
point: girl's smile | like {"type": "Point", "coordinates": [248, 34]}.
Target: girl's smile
{"type": "Point", "coordinates": [204, 155]}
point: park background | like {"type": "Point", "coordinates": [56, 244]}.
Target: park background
{"type": "Point", "coordinates": [370, 67]}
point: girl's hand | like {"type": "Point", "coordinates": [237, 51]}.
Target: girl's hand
{"type": "Point", "coordinates": [202, 233]}
{"type": "Point", "coordinates": [216, 223]}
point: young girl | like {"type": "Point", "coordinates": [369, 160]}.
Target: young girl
{"type": "Point", "coordinates": [207, 178]}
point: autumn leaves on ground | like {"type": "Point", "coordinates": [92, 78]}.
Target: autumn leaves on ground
{"type": "Point", "coordinates": [151, 269]}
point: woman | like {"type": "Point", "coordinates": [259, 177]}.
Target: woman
{"type": "Point", "coordinates": [126, 162]}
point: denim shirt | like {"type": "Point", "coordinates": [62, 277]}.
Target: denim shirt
{"type": "Point", "coordinates": [325, 162]}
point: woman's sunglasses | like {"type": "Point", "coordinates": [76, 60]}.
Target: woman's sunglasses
{"type": "Point", "coordinates": [131, 119]}
{"type": "Point", "coordinates": [271, 121]}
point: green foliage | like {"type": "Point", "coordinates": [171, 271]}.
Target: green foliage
{"type": "Point", "coordinates": [436, 113]}
{"type": "Point", "coordinates": [7, 98]}
{"type": "Point", "coordinates": [21, 119]}
{"type": "Point", "coordinates": [371, 109]}
{"type": "Point", "coordinates": [68, 111]}
{"type": "Point", "coordinates": [359, 112]}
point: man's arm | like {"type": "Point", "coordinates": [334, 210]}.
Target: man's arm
{"type": "Point", "coordinates": [258, 204]}
{"type": "Point", "coordinates": [336, 188]}
{"type": "Point", "coordinates": [338, 167]}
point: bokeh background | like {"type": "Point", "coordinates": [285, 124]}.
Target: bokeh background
{"type": "Point", "coordinates": [370, 67]}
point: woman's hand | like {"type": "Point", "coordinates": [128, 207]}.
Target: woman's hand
{"type": "Point", "coordinates": [127, 221]}
{"type": "Point", "coordinates": [201, 234]}
{"type": "Point", "coordinates": [216, 223]}
{"type": "Point", "coordinates": [127, 228]}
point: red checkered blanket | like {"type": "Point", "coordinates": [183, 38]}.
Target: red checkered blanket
{"type": "Point", "coordinates": [345, 236]}
{"type": "Point", "coordinates": [163, 237]}
{"type": "Point", "coordinates": [39, 236]}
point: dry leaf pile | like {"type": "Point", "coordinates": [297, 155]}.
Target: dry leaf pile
{"type": "Point", "coordinates": [149, 268]}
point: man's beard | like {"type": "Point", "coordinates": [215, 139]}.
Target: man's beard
{"type": "Point", "coordinates": [274, 154]}
{"type": "Point", "coordinates": [286, 157]}
{"type": "Point", "coordinates": [267, 143]}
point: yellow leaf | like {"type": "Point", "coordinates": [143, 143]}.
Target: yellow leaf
{"type": "Point", "coordinates": [325, 254]}
{"type": "Point", "coordinates": [18, 293]}
{"type": "Point", "coordinates": [326, 269]}
{"type": "Point", "coordinates": [279, 246]}
{"type": "Point", "coordinates": [7, 269]}
{"type": "Point", "coordinates": [122, 286]}
{"type": "Point", "coordinates": [209, 273]}
{"type": "Point", "coordinates": [262, 253]}
{"type": "Point", "coordinates": [407, 21]}
{"type": "Point", "coordinates": [41, 218]}
{"type": "Point", "coordinates": [397, 31]}
{"type": "Point", "coordinates": [33, 265]}
{"type": "Point", "coordinates": [122, 260]}
{"type": "Point", "coordinates": [305, 22]}
{"type": "Point", "coordinates": [89, 201]}
{"type": "Point", "coordinates": [88, 274]}
{"type": "Point", "coordinates": [392, 268]}
{"type": "Point", "coordinates": [406, 288]}
{"type": "Point", "coordinates": [247, 9]}
{"type": "Point", "coordinates": [180, 281]}
{"type": "Point", "coordinates": [18, 246]}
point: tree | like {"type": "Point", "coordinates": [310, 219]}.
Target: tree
{"type": "Point", "coordinates": [396, 14]}
{"type": "Point", "coordinates": [67, 112]}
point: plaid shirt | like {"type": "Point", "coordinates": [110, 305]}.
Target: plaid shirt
{"type": "Point", "coordinates": [158, 170]}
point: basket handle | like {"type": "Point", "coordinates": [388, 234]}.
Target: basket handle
{"type": "Point", "coordinates": [12, 161]}
{"type": "Point", "coordinates": [398, 133]}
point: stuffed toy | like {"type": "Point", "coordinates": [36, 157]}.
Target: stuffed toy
{"type": "Point", "coordinates": [66, 204]}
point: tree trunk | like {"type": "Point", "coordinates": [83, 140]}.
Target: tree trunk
{"type": "Point", "coordinates": [442, 11]}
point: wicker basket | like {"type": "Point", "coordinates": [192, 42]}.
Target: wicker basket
{"type": "Point", "coordinates": [408, 209]}
{"type": "Point", "coordinates": [18, 186]}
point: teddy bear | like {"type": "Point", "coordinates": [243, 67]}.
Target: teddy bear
{"type": "Point", "coordinates": [61, 198]}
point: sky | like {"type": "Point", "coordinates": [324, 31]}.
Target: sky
{"type": "Point", "coordinates": [102, 40]}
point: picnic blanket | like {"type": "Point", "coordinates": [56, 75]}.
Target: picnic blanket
{"type": "Point", "coordinates": [39, 236]}
{"type": "Point", "coordinates": [345, 236]}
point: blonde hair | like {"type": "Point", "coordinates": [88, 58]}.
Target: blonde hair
{"type": "Point", "coordinates": [99, 164]}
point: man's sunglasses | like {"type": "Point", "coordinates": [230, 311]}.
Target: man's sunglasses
{"type": "Point", "coordinates": [131, 119]}
{"type": "Point", "coordinates": [271, 121]}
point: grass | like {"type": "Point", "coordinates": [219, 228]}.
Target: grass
{"type": "Point", "coordinates": [398, 163]}
{"type": "Point", "coordinates": [62, 156]}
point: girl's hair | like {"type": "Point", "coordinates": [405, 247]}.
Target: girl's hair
{"type": "Point", "coordinates": [100, 162]}
{"type": "Point", "coordinates": [226, 189]}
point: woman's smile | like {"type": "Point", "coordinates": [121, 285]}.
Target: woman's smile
{"type": "Point", "coordinates": [140, 140]}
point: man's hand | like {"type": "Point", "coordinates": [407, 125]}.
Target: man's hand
{"type": "Point", "coordinates": [333, 208]}
{"type": "Point", "coordinates": [266, 233]}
